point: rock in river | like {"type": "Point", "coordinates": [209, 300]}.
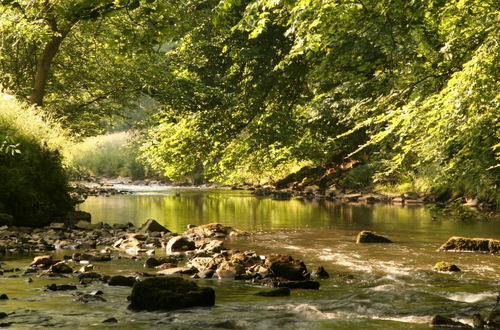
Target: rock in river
{"type": "Point", "coordinates": [459, 244]}
{"type": "Point", "coordinates": [214, 230]}
{"type": "Point", "coordinates": [439, 321]}
{"type": "Point", "coordinates": [320, 272]}
{"type": "Point", "coordinates": [151, 225]}
{"type": "Point", "coordinates": [308, 285]}
{"type": "Point", "coordinates": [60, 268]}
{"type": "Point", "coordinates": [279, 292]}
{"type": "Point", "coordinates": [120, 280]}
{"type": "Point", "coordinates": [286, 267]}
{"type": "Point", "coordinates": [167, 293]}
{"type": "Point", "coordinates": [444, 266]}
{"type": "Point", "coordinates": [179, 244]}
{"type": "Point", "coordinates": [370, 237]}
{"type": "Point", "coordinates": [42, 262]}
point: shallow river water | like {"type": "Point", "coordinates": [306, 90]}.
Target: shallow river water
{"type": "Point", "coordinates": [377, 286]}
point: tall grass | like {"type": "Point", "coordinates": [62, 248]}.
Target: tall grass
{"type": "Point", "coordinates": [107, 155]}
{"type": "Point", "coordinates": [34, 187]}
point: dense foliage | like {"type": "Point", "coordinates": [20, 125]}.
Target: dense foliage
{"type": "Point", "coordinates": [34, 187]}
{"type": "Point", "coordinates": [251, 90]}
{"type": "Point", "coordinates": [408, 88]}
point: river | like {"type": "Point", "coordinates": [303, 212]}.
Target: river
{"type": "Point", "coordinates": [377, 286]}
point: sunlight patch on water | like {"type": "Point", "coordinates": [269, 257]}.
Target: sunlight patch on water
{"type": "Point", "coordinates": [306, 310]}
{"type": "Point", "coordinates": [404, 319]}
{"type": "Point", "coordinates": [471, 297]}
{"type": "Point", "coordinates": [358, 263]}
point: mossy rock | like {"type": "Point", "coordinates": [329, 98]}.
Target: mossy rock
{"type": "Point", "coordinates": [459, 244]}
{"type": "Point", "coordinates": [369, 237]}
{"type": "Point", "coordinates": [444, 266]}
{"type": "Point", "coordinates": [439, 321]}
{"type": "Point", "coordinates": [168, 293]}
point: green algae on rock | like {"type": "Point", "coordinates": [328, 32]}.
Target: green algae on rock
{"type": "Point", "coordinates": [459, 244]}
{"type": "Point", "coordinates": [369, 237]}
{"type": "Point", "coordinates": [167, 293]}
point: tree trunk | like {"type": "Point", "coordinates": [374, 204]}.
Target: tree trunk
{"type": "Point", "coordinates": [43, 68]}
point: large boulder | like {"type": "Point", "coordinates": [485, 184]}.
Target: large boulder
{"type": "Point", "coordinates": [369, 237]}
{"type": "Point", "coordinates": [214, 230]}
{"type": "Point", "coordinates": [168, 293]}
{"type": "Point", "coordinates": [286, 267]}
{"type": "Point", "coordinates": [151, 225]}
{"type": "Point", "coordinates": [458, 244]}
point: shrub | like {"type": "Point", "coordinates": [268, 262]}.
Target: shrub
{"type": "Point", "coordinates": [34, 185]}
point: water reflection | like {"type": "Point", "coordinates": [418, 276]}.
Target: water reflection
{"type": "Point", "coordinates": [177, 208]}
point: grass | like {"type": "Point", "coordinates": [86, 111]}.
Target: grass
{"type": "Point", "coordinates": [107, 155]}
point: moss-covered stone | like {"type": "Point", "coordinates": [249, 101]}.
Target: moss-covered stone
{"type": "Point", "coordinates": [369, 237]}
{"type": "Point", "coordinates": [444, 266]}
{"type": "Point", "coordinates": [439, 321]}
{"type": "Point", "coordinates": [456, 243]}
{"type": "Point", "coordinates": [167, 293]}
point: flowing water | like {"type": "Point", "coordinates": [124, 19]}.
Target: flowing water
{"type": "Point", "coordinates": [373, 286]}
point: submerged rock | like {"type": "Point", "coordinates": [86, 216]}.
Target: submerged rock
{"type": "Point", "coordinates": [280, 292]}
{"type": "Point", "coordinates": [167, 293]}
{"type": "Point", "coordinates": [60, 287]}
{"type": "Point", "coordinates": [458, 244]}
{"type": "Point", "coordinates": [85, 298]}
{"type": "Point", "coordinates": [120, 280]}
{"type": "Point", "coordinates": [439, 321]}
{"type": "Point", "coordinates": [308, 285]}
{"type": "Point", "coordinates": [444, 266]}
{"type": "Point", "coordinates": [370, 237]}
{"type": "Point", "coordinates": [178, 271]}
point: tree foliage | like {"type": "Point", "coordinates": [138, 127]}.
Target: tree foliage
{"type": "Point", "coordinates": [408, 85]}
{"type": "Point", "coordinates": [254, 89]}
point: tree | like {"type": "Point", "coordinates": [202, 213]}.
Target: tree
{"type": "Point", "coordinates": [88, 59]}
{"type": "Point", "coordinates": [281, 83]}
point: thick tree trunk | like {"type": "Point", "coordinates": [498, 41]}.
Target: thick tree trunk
{"type": "Point", "coordinates": [43, 68]}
